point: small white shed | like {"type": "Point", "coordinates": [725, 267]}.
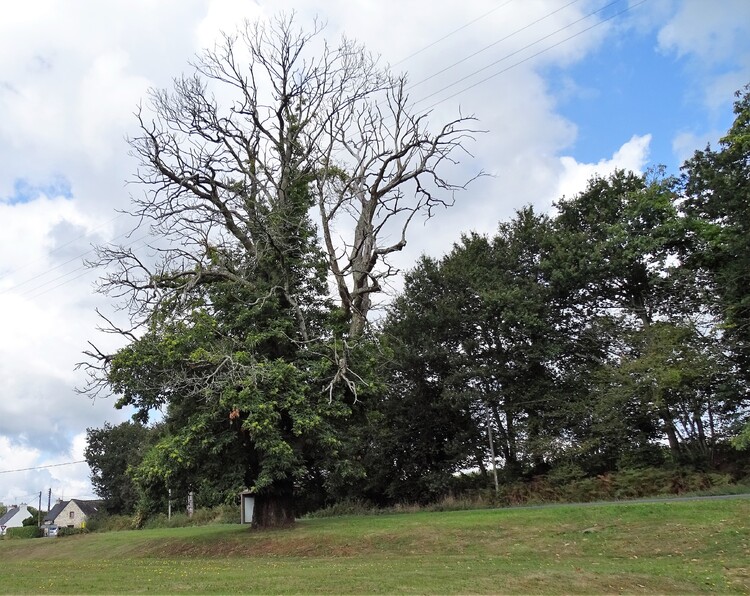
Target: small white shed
{"type": "Point", "coordinates": [247, 505]}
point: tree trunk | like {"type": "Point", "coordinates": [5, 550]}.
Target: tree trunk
{"type": "Point", "coordinates": [492, 449]}
{"type": "Point", "coordinates": [669, 429]}
{"type": "Point", "coordinates": [274, 509]}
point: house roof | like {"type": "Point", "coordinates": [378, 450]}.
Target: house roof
{"type": "Point", "coordinates": [8, 515]}
{"type": "Point", "coordinates": [54, 512]}
{"type": "Point", "coordinates": [89, 508]}
{"type": "Point", "coordinates": [12, 512]}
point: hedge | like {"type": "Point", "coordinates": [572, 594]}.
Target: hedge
{"type": "Point", "coordinates": [24, 532]}
{"type": "Point", "coordinates": [65, 531]}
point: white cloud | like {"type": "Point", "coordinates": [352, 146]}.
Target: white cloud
{"type": "Point", "coordinates": [224, 16]}
{"type": "Point", "coordinates": [714, 38]}
{"type": "Point", "coordinates": [107, 98]}
{"type": "Point", "coordinates": [707, 30]}
{"type": "Point", "coordinates": [632, 155]}
{"type": "Point", "coordinates": [685, 144]}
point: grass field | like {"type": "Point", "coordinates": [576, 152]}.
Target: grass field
{"type": "Point", "coordinates": [677, 547]}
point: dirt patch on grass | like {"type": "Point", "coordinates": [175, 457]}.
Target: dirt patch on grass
{"type": "Point", "coordinates": [299, 543]}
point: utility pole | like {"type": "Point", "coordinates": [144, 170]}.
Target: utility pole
{"type": "Point", "coordinates": [169, 506]}
{"type": "Point", "coordinates": [39, 512]}
{"type": "Point", "coordinates": [49, 500]}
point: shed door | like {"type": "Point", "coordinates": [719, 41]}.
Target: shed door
{"type": "Point", "coordinates": [248, 503]}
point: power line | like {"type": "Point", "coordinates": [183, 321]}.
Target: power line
{"type": "Point", "coordinates": [428, 46]}
{"type": "Point", "coordinates": [527, 58]}
{"type": "Point", "coordinates": [67, 463]}
{"type": "Point", "coordinates": [68, 274]}
{"type": "Point", "coordinates": [494, 43]}
{"type": "Point", "coordinates": [35, 277]}
{"type": "Point", "coordinates": [30, 292]}
{"type": "Point", "coordinates": [58, 249]}
{"type": "Point", "coordinates": [64, 275]}
{"type": "Point", "coordinates": [446, 36]}
{"type": "Point", "coordinates": [527, 46]}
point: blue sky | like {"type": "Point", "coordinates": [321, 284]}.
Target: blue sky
{"type": "Point", "coordinates": [25, 191]}
{"type": "Point", "coordinates": [630, 85]}
{"type": "Point", "coordinates": [647, 87]}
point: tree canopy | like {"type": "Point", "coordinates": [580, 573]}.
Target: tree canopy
{"type": "Point", "coordinates": [233, 332]}
{"type": "Point", "coordinates": [608, 333]}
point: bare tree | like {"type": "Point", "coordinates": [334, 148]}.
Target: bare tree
{"type": "Point", "coordinates": [330, 117]}
{"type": "Point", "coordinates": [266, 111]}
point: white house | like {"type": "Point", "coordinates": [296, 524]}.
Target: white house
{"type": "Point", "coordinates": [13, 518]}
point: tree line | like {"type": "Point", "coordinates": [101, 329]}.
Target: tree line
{"type": "Point", "coordinates": [608, 333]}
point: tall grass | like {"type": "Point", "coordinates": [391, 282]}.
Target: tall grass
{"type": "Point", "coordinates": [565, 486]}
{"type": "Point", "coordinates": [223, 514]}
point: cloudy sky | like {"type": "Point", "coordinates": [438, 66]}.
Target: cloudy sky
{"type": "Point", "coordinates": [564, 88]}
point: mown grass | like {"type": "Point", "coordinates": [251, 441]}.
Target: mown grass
{"type": "Point", "coordinates": [678, 548]}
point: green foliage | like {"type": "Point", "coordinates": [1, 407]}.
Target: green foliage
{"type": "Point", "coordinates": [473, 338]}
{"type": "Point", "coordinates": [105, 522]}
{"type": "Point", "coordinates": [33, 520]}
{"type": "Point", "coordinates": [224, 514]}
{"type": "Point", "coordinates": [573, 346]}
{"type": "Point", "coordinates": [63, 531]}
{"type": "Point", "coordinates": [112, 453]}
{"type": "Point", "coordinates": [742, 440]}
{"type": "Point", "coordinates": [581, 341]}
{"type": "Point", "coordinates": [717, 185]}
{"type": "Point", "coordinates": [568, 484]}
{"type": "Point", "coordinates": [23, 532]}
{"type": "Point", "coordinates": [221, 514]}
{"type": "Point", "coordinates": [245, 371]}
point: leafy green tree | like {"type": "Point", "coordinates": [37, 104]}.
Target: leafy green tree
{"type": "Point", "coordinates": [614, 258]}
{"type": "Point", "coordinates": [417, 435]}
{"type": "Point", "coordinates": [112, 453]}
{"type": "Point", "coordinates": [480, 341]}
{"type": "Point", "coordinates": [509, 338]}
{"type": "Point", "coordinates": [614, 246]}
{"type": "Point", "coordinates": [671, 366]}
{"type": "Point", "coordinates": [242, 386]}
{"type": "Point", "coordinates": [33, 519]}
{"type": "Point", "coordinates": [717, 189]}
{"type": "Point", "coordinates": [234, 333]}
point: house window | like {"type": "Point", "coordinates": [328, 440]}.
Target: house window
{"type": "Point", "coordinates": [72, 514]}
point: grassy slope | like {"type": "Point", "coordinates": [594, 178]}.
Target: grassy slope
{"type": "Point", "coordinates": [681, 548]}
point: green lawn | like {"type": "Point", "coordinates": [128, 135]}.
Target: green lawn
{"type": "Point", "coordinates": [678, 547]}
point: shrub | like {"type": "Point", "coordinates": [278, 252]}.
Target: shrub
{"type": "Point", "coordinates": [64, 531]}
{"type": "Point", "coordinates": [222, 514]}
{"type": "Point", "coordinates": [24, 532]}
{"type": "Point", "coordinates": [346, 507]}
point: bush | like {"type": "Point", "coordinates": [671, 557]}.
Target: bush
{"type": "Point", "coordinates": [346, 507]}
{"type": "Point", "coordinates": [222, 514]}
{"type": "Point", "coordinates": [71, 531]}
{"type": "Point", "coordinates": [103, 522]}
{"type": "Point", "coordinates": [24, 532]}
{"type": "Point", "coordinates": [32, 520]}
